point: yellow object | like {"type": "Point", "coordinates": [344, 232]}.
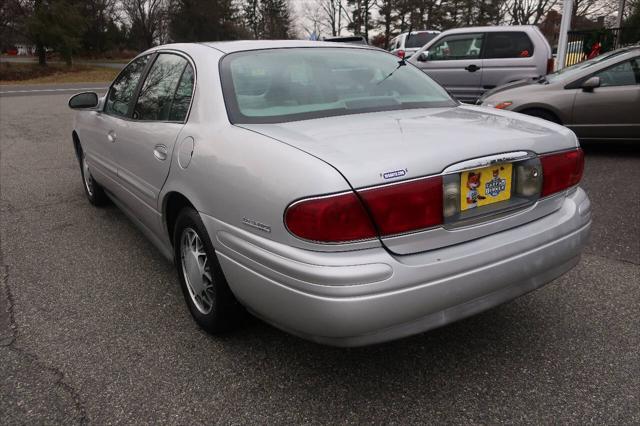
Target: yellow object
{"type": "Point", "coordinates": [485, 186]}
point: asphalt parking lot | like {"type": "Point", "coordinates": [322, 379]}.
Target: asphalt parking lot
{"type": "Point", "coordinates": [93, 328]}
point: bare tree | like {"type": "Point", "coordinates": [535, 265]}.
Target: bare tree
{"type": "Point", "coordinates": [146, 18]}
{"type": "Point", "coordinates": [332, 11]}
{"type": "Point", "coordinates": [528, 12]}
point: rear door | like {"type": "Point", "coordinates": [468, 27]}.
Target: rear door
{"type": "Point", "coordinates": [454, 61]}
{"type": "Point", "coordinates": [613, 109]}
{"type": "Point", "coordinates": [508, 56]}
{"type": "Point", "coordinates": [145, 144]}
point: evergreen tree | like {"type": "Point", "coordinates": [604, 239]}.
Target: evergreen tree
{"type": "Point", "coordinates": [276, 19]}
{"type": "Point", "coordinates": [204, 20]}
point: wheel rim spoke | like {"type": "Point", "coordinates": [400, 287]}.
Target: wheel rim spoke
{"type": "Point", "coordinates": [196, 271]}
{"type": "Point", "coordinates": [86, 174]}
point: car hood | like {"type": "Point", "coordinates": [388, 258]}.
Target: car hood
{"type": "Point", "coordinates": [374, 148]}
{"type": "Point", "coordinates": [508, 86]}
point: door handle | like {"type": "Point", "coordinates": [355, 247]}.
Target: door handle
{"type": "Point", "coordinates": [111, 136]}
{"type": "Point", "coordinates": [160, 152]}
{"type": "Point", "coordinates": [472, 68]}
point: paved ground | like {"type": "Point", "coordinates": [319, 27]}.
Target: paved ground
{"type": "Point", "coordinates": [93, 327]}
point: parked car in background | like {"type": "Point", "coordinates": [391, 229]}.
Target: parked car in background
{"type": "Point", "coordinates": [332, 190]}
{"type": "Point", "coordinates": [470, 61]}
{"type": "Point", "coordinates": [405, 45]}
{"type": "Point", "coordinates": [597, 99]}
{"type": "Point", "coordinates": [347, 39]}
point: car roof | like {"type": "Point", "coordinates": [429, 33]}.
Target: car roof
{"type": "Point", "coordinates": [243, 45]}
{"type": "Point", "coordinates": [490, 29]}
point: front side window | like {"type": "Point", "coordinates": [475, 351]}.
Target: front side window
{"type": "Point", "coordinates": [278, 85]}
{"type": "Point", "coordinates": [623, 74]}
{"type": "Point", "coordinates": [513, 44]}
{"type": "Point", "coordinates": [157, 93]}
{"type": "Point", "coordinates": [123, 88]}
{"type": "Point", "coordinates": [458, 46]}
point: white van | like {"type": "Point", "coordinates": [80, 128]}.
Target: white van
{"type": "Point", "coordinates": [405, 45]}
{"type": "Point", "coordinates": [470, 61]}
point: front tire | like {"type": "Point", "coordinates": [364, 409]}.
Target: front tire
{"type": "Point", "coordinates": [203, 284]}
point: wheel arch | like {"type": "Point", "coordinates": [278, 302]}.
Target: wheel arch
{"type": "Point", "coordinates": [544, 107]}
{"type": "Point", "coordinates": [173, 203]}
{"type": "Point", "coordinates": [76, 145]}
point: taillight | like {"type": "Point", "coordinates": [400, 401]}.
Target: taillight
{"type": "Point", "coordinates": [396, 209]}
{"type": "Point", "coordinates": [405, 207]}
{"type": "Point", "coordinates": [400, 54]}
{"type": "Point", "coordinates": [550, 65]}
{"type": "Point", "coordinates": [331, 219]}
{"type": "Point", "coordinates": [561, 171]}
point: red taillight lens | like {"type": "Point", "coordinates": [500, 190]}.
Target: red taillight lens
{"type": "Point", "coordinates": [561, 171]}
{"type": "Point", "coordinates": [550, 65]}
{"type": "Point", "coordinates": [405, 207]}
{"type": "Point", "coordinates": [331, 219]}
{"type": "Point", "coordinates": [400, 54]}
{"type": "Point", "coordinates": [396, 209]}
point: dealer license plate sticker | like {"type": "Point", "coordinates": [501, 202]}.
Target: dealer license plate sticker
{"type": "Point", "coordinates": [485, 186]}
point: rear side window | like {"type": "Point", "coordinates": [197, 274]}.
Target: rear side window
{"type": "Point", "coordinates": [124, 87]}
{"type": "Point", "coordinates": [157, 93]}
{"type": "Point", "coordinates": [182, 98]}
{"type": "Point", "coordinates": [419, 39]}
{"type": "Point", "coordinates": [514, 44]}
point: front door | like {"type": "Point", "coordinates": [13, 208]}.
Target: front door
{"type": "Point", "coordinates": [610, 111]}
{"type": "Point", "coordinates": [100, 133]}
{"type": "Point", "coordinates": [455, 62]}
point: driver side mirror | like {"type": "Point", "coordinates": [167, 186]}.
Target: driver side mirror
{"type": "Point", "coordinates": [86, 100]}
{"type": "Point", "coordinates": [423, 56]}
{"type": "Point", "coordinates": [591, 84]}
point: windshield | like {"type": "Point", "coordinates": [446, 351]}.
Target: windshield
{"type": "Point", "coordinates": [419, 39]}
{"type": "Point", "coordinates": [569, 72]}
{"type": "Point", "coordinates": [279, 85]}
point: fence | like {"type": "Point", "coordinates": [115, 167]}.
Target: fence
{"type": "Point", "coordinates": [587, 44]}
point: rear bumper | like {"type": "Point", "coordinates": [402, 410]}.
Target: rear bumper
{"type": "Point", "coordinates": [370, 296]}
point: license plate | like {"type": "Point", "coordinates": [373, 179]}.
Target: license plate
{"type": "Point", "coordinates": [485, 186]}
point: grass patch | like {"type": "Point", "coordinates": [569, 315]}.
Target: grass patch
{"type": "Point", "coordinates": [21, 73]}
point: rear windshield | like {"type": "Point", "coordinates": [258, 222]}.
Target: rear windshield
{"type": "Point", "coordinates": [279, 85]}
{"type": "Point", "coordinates": [418, 39]}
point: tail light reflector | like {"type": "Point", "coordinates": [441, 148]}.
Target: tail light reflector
{"type": "Point", "coordinates": [405, 207]}
{"type": "Point", "coordinates": [561, 171]}
{"type": "Point", "coordinates": [395, 209]}
{"type": "Point", "coordinates": [331, 219]}
{"type": "Point", "coordinates": [550, 65]}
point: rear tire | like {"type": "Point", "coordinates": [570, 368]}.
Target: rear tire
{"type": "Point", "coordinates": [542, 113]}
{"type": "Point", "coordinates": [203, 284]}
{"type": "Point", "coordinates": [94, 192]}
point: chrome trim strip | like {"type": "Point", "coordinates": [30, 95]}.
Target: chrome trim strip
{"type": "Point", "coordinates": [477, 163]}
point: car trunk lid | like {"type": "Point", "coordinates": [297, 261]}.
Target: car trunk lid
{"type": "Point", "coordinates": [380, 148]}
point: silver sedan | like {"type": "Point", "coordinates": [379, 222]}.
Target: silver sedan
{"type": "Point", "coordinates": [334, 191]}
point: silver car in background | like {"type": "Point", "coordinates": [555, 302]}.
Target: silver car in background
{"type": "Point", "coordinates": [470, 61]}
{"type": "Point", "coordinates": [598, 99]}
{"type": "Point", "coordinates": [335, 191]}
